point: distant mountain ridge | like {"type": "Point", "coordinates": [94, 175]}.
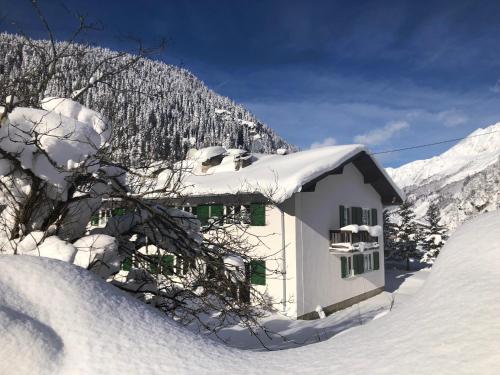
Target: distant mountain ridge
{"type": "Point", "coordinates": [174, 111]}
{"type": "Point", "coordinates": [465, 180]}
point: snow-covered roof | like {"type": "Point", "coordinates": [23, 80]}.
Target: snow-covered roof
{"type": "Point", "coordinates": [278, 177]}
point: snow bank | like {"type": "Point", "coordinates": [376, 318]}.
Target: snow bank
{"type": "Point", "coordinates": [52, 247]}
{"type": "Point", "coordinates": [60, 319]}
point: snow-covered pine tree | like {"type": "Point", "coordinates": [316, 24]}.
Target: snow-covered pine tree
{"type": "Point", "coordinates": [389, 233]}
{"type": "Point", "coordinates": [434, 235]}
{"type": "Point", "coordinates": [407, 234]}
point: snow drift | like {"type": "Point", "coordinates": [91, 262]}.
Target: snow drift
{"type": "Point", "coordinates": [60, 319]}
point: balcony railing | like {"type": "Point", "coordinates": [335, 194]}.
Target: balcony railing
{"type": "Point", "coordinates": [347, 240]}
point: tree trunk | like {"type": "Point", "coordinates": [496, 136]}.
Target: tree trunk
{"type": "Point", "coordinates": [408, 264]}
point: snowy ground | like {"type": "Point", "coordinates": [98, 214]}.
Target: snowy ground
{"type": "Point", "coordinates": [280, 332]}
{"type": "Point", "coordinates": [57, 318]}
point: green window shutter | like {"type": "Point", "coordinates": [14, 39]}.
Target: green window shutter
{"type": "Point", "coordinates": [258, 272]}
{"type": "Point", "coordinates": [217, 210]}
{"type": "Point", "coordinates": [126, 264]}
{"type": "Point", "coordinates": [152, 264]}
{"type": "Point", "coordinates": [343, 267]}
{"type": "Point", "coordinates": [167, 265]}
{"type": "Point", "coordinates": [359, 265]}
{"type": "Point", "coordinates": [342, 217]}
{"type": "Point", "coordinates": [258, 214]}
{"type": "Point", "coordinates": [357, 215]}
{"type": "Point", "coordinates": [349, 216]}
{"type": "Point", "coordinates": [94, 220]}
{"type": "Point", "coordinates": [118, 211]}
{"type": "Point", "coordinates": [202, 213]}
{"type": "Point", "coordinates": [376, 261]}
{"type": "Point", "coordinates": [374, 216]}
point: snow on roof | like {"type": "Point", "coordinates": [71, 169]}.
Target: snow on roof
{"type": "Point", "coordinates": [277, 177]}
{"type": "Point", "coordinates": [58, 318]}
{"type": "Point", "coordinates": [209, 152]}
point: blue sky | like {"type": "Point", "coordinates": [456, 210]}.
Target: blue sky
{"type": "Point", "coordinates": [390, 74]}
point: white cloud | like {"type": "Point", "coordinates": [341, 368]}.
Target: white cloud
{"type": "Point", "coordinates": [329, 141]}
{"type": "Point", "coordinates": [496, 87]}
{"type": "Point", "coordinates": [452, 118]}
{"type": "Point", "coordinates": [382, 135]}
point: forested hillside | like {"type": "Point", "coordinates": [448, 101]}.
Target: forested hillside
{"type": "Point", "coordinates": [158, 110]}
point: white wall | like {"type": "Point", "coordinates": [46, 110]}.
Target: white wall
{"type": "Point", "coordinates": [319, 281]}
{"type": "Point", "coordinates": [266, 243]}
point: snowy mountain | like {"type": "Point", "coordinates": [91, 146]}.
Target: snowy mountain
{"type": "Point", "coordinates": [167, 111]}
{"type": "Point", "coordinates": [465, 180]}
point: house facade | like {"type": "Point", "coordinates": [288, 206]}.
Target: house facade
{"type": "Point", "coordinates": [313, 218]}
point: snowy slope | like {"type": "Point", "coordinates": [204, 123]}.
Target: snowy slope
{"type": "Point", "coordinates": [172, 111]}
{"type": "Point", "coordinates": [59, 319]}
{"type": "Point", "coordinates": [465, 180]}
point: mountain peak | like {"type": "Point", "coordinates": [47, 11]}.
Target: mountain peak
{"type": "Point", "coordinates": [463, 180]}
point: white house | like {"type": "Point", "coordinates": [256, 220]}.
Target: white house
{"type": "Point", "coordinates": [314, 219]}
{"type": "Point", "coordinates": [315, 216]}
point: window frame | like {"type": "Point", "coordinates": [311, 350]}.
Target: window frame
{"type": "Point", "coordinates": [368, 263]}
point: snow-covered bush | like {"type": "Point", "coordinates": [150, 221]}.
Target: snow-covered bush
{"type": "Point", "coordinates": [58, 170]}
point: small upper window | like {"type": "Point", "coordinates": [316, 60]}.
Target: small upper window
{"type": "Point", "coordinates": [366, 217]}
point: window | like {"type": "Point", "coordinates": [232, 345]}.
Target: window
{"type": "Point", "coordinates": [104, 215]}
{"type": "Point", "coordinates": [233, 214]}
{"type": "Point", "coordinates": [357, 215]}
{"type": "Point", "coordinates": [245, 214]}
{"type": "Point", "coordinates": [181, 265]}
{"type": "Point", "coordinates": [206, 211]}
{"type": "Point", "coordinates": [366, 216]}
{"type": "Point", "coordinates": [258, 214]}
{"type": "Point", "coordinates": [367, 263]}
{"type": "Point", "coordinates": [359, 263]}
{"type": "Point", "coordinates": [258, 272]}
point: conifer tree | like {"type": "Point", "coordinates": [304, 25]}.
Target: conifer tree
{"type": "Point", "coordinates": [407, 235]}
{"type": "Point", "coordinates": [434, 235]}
{"type": "Point", "coordinates": [389, 233]}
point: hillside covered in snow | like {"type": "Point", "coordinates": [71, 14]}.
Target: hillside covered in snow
{"type": "Point", "coordinates": [57, 318]}
{"type": "Point", "coordinates": [158, 110]}
{"type": "Point", "coordinates": [465, 180]}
